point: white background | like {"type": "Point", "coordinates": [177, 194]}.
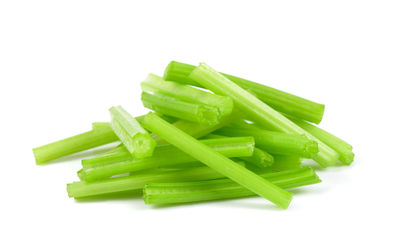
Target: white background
{"type": "Point", "coordinates": [64, 63]}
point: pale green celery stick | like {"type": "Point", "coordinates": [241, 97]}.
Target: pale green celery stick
{"type": "Point", "coordinates": [275, 142]}
{"type": "Point", "coordinates": [136, 139]}
{"type": "Point", "coordinates": [156, 84]}
{"type": "Point", "coordinates": [165, 155]}
{"type": "Point", "coordinates": [83, 189]}
{"type": "Point", "coordinates": [279, 100]}
{"type": "Point", "coordinates": [258, 110]}
{"type": "Point", "coordinates": [215, 160]}
{"type": "Point", "coordinates": [198, 130]}
{"type": "Point", "coordinates": [171, 106]}
{"type": "Point", "coordinates": [73, 144]}
{"type": "Point", "coordinates": [219, 189]}
{"type": "Point", "coordinates": [260, 158]}
{"type": "Point", "coordinates": [344, 149]}
{"type": "Point", "coordinates": [100, 125]}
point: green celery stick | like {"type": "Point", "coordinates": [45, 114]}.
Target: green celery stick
{"type": "Point", "coordinates": [165, 155]}
{"type": "Point", "coordinates": [219, 189]}
{"type": "Point", "coordinates": [257, 110]}
{"type": "Point", "coordinates": [260, 158]}
{"type": "Point", "coordinates": [215, 160]}
{"type": "Point", "coordinates": [281, 163]}
{"type": "Point", "coordinates": [279, 100]}
{"type": "Point", "coordinates": [171, 106]}
{"type": "Point", "coordinates": [83, 189]}
{"type": "Point", "coordinates": [155, 84]}
{"type": "Point", "coordinates": [136, 139]}
{"type": "Point", "coordinates": [101, 125]}
{"type": "Point", "coordinates": [198, 130]}
{"type": "Point", "coordinates": [275, 142]}
{"type": "Point", "coordinates": [346, 155]}
{"type": "Point", "coordinates": [74, 144]}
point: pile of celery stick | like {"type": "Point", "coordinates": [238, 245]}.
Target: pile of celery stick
{"type": "Point", "coordinates": [211, 136]}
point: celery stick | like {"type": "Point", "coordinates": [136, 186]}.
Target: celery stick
{"type": "Point", "coordinates": [198, 130]}
{"type": "Point", "coordinates": [281, 163]}
{"type": "Point", "coordinates": [101, 125]}
{"type": "Point", "coordinates": [165, 155]}
{"type": "Point", "coordinates": [215, 160]}
{"type": "Point", "coordinates": [277, 99]}
{"type": "Point", "coordinates": [257, 110]}
{"type": "Point", "coordinates": [83, 189]}
{"type": "Point", "coordinates": [344, 149]}
{"type": "Point", "coordinates": [171, 106]}
{"type": "Point", "coordinates": [136, 139]}
{"type": "Point", "coordinates": [73, 144]}
{"type": "Point", "coordinates": [260, 158]}
{"type": "Point", "coordinates": [275, 142]}
{"type": "Point", "coordinates": [156, 84]}
{"type": "Point", "coordinates": [219, 189]}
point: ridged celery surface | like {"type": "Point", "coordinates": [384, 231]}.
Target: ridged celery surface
{"type": "Point", "coordinates": [345, 150]}
{"type": "Point", "coordinates": [219, 189]}
{"type": "Point", "coordinates": [260, 158]}
{"type": "Point", "coordinates": [74, 144]}
{"type": "Point", "coordinates": [284, 102]}
{"type": "Point", "coordinates": [199, 130]}
{"type": "Point", "coordinates": [155, 84]}
{"type": "Point", "coordinates": [171, 106]}
{"type": "Point", "coordinates": [275, 142]}
{"type": "Point", "coordinates": [258, 110]}
{"type": "Point", "coordinates": [121, 162]}
{"type": "Point", "coordinates": [83, 189]}
{"type": "Point", "coordinates": [136, 139]}
{"type": "Point", "coordinates": [217, 161]}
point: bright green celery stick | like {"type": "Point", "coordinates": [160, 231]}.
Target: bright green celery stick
{"type": "Point", "coordinates": [257, 110]}
{"type": "Point", "coordinates": [346, 155]}
{"type": "Point", "coordinates": [281, 163]}
{"type": "Point", "coordinates": [136, 139]}
{"type": "Point", "coordinates": [215, 160]}
{"type": "Point", "coordinates": [171, 106]}
{"type": "Point", "coordinates": [219, 189]}
{"type": "Point", "coordinates": [260, 158]}
{"type": "Point", "coordinates": [198, 130]}
{"type": "Point", "coordinates": [82, 189]}
{"type": "Point", "coordinates": [73, 144]}
{"type": "Point", "coordinates": [277, 99]}
{"type": "Point", "coordinates": [165, 155]}
{"type": "Point", "coordinates": [275, 142]}
{"type": "Point", "coordinates": [156, 84]}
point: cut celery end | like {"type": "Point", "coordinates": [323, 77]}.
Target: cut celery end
{"type": "Point", "coordinates": [136, 139]}
{"type": "Point", "coordinates": [185, 192]}
{"type": "Point", "coordinates": [257, 110]}
{"type": "Point", "coordinates": [215, 160]}
{"type": "Point", "coordinates": [346, 155]}
{"type": "Point", "coordinates": [155, 84]}
{"type": "Point", "coordinates": [279, 100]}
{"type": "Point", "coordinates": [73, 145]}
{"type": "Point", "coordinates": [171, 106]}
{"type": "Point", "coordinates": [165, 155]}
{"type": "Point", "coordinates": [275, 142]}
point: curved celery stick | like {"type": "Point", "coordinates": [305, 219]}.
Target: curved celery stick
{"type": "Point", "coordinates": [344, 149]}
{"type": "Point", "coordinates": [184, 192]}
{"type": "Point", "coordinates": [215, 160]}
{"type": "Point", "coordinates": [260, 158]}
{"type": "Point", "coordinates": [136, 139]}
{"type": "Point", "coordinates": [171, 106]}
{"type": "Point", "coordinates": [165, 155]}
{"type": "Point", "coordinates": [73, 144]}
{"type": "Point", "coordinates": [275, 142]}
{"type": "Point", "coordinates": [257, 110]}
{"type": "Point", "coordinates": [82, 189]}
{"type": "Point", "coordinates": [156, 84]}
{"type": "Point", "coordinates": [284, 102]}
